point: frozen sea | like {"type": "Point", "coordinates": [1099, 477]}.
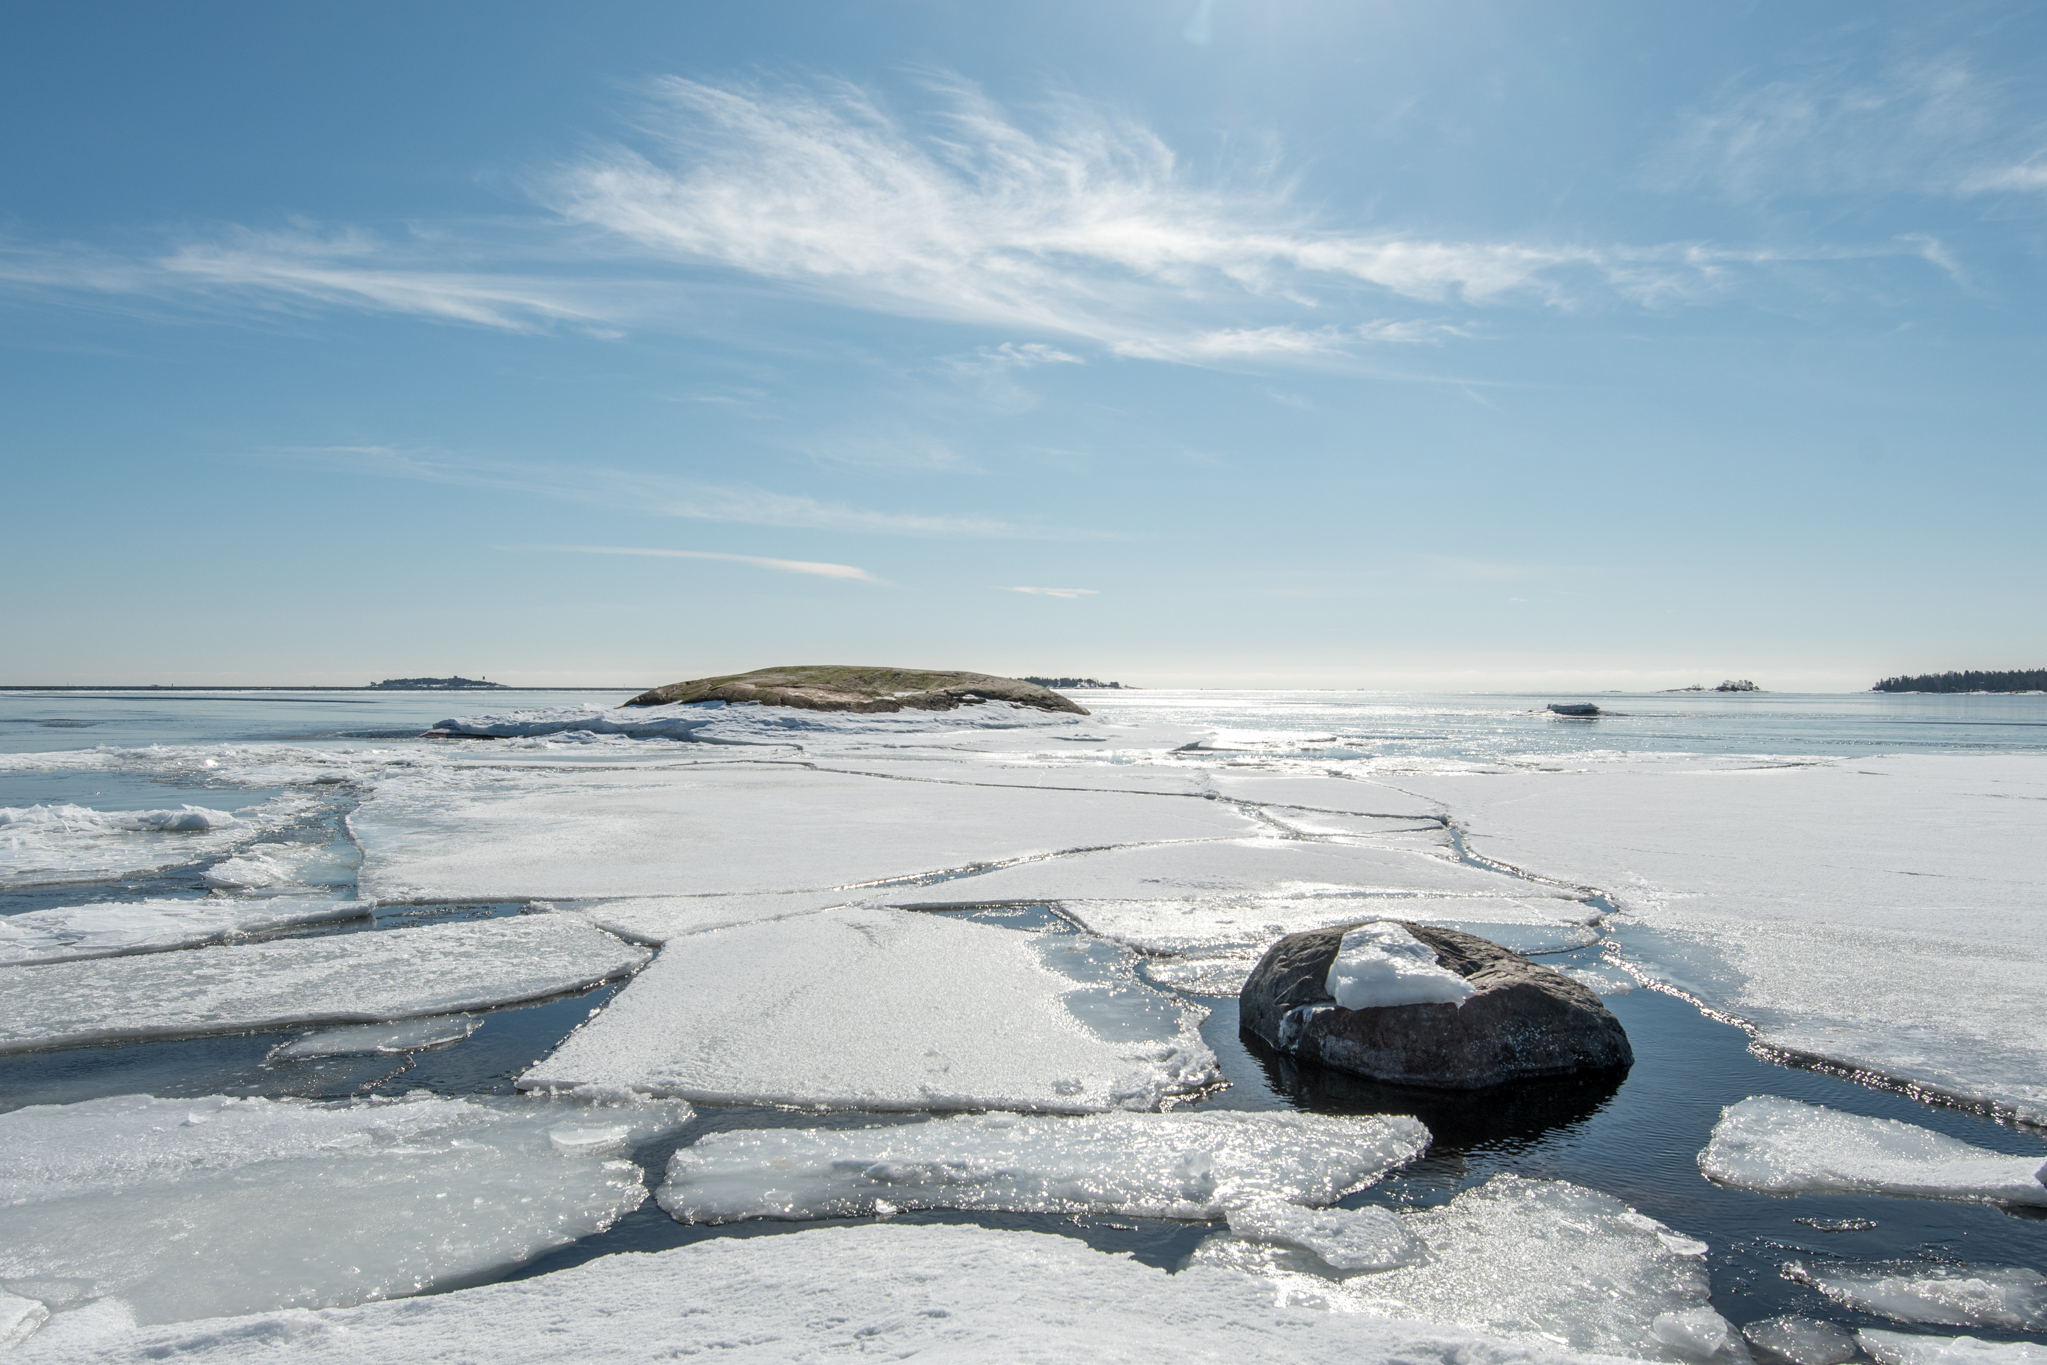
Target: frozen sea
{"type": "Point", "coordinates": [564, 970]}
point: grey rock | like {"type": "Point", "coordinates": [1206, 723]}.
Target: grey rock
{"type": "Point", "coordinates": [1524, 1022]}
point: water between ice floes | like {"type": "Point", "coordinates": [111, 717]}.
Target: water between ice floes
{"type": "Point", "coordinates": [1637, 1140]}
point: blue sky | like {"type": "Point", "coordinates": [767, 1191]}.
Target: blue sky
{"type": "Point", "coordinates": [1191, 343]}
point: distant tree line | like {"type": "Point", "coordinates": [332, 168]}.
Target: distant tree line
{"type": "Point", "coordinates": [1071, 682]}
{"type": "Point", "coordinates": [2015, 680]}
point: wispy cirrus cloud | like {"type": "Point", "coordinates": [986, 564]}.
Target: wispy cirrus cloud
{"type": "Point", "coordinates": [795, 566]}
{"type": "Point", "coordinates": [655, 494]}
{"type": "Point", "coordinates": [1069, 222]}
{"type": "Point", "coordinates": [1055, 592]}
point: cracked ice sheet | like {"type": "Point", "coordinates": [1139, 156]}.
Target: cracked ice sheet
{"type": "Point", "coordinates": [1186, 1164]}
{"type": "Point", "coordinates": [1541, 1259]}
{"type": "Point", "coordinates": [1780, 1146]}
{"type": "Point", "coordinates": [1391, 866]}
{"type": "Point", "coordinates": [339, 979]}
{"type": "Point", "coordinates": [499, 834]}
{"type": "Point", "coordinates": [117, 928]}
{"type": "Point", "coordinates": [194, 1208]}
{"type": "Point", "coordinates": [1909, 1348]}
{"type": "Point", "coordinates": [882, 1010]}
{"type": "Point", "coordinates": [1883, 913]}
{"type": "Point", "coordinates": [880, 1291]}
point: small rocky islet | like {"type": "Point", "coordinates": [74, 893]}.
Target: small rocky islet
{"type": "Point", "coordinates": [859, 688]}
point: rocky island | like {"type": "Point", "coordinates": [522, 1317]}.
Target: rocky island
{"type": "Point", "coordinates": [449, 684]}
{"type": "Point", "coordinates": [849, 687]}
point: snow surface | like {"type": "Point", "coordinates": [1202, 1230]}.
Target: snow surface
{"type": "Point", "coordinates": [196, 1208]}
{"type": "Point", "coordinates": [1901, 1348]}
{"type": "Point", "coordinates": [1802, 1341]}
{"type": "Point", "coordinates": [1782, 1146]}
{"type": "Point", "coordinates": [1187, 1164]}
{"type": "Point", "coordinates": [1881, 913]}
{"type": "Point", "coordinates": [484, 834]}
{"type": "Point", "coordinates": [870, 1008]}
{"type": "Point", "coordinates": [115, 928]}
{"type": "Point", "coordinates": [1381, 964]}
{"type": "Point", "coordinates": [346, 978]}
{"type": "Point", "coordinates": [1540, 1259]}
{"type": "Point", "coordinates": [413, 1035]}
{"type": "Point", "coordinates": [881, 1291]}
{"type": "Point", "coordinates": [19, 1318]}
{"type": "Point", "coordinates": [1345, 1239]}
{"type": "Point", "coordinates": [2006, 1296]}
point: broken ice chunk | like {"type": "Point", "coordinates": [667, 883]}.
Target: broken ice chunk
{"type": "Point", "coordinates": [413, 1035]}
{"type": "Point", "coordinates": [1346, 1239]}
{"type": "Point", "coordinates": [1381, 964]}
{"type": "Point", "coordinates": [882, 1010]}
{"type": "Point", "coordinates": [285, 1203]}
{"type": "Point", "coordinates": [1698, 1334]}
{"type": "Point", "coordinates": [604, 1139]}
{"type": "Point", "coordinates": [2008, 1296]}
{"type": "Point", "coordinates": [1542, 1259]}
{"type": "Point", "coordinates": [1183, 1164]}
{"type": "Point", "coordinates": [19, 1319]}
{"type": "Point", "coordinates": [356, 978]}
{"type": "Point", "coordinates": [1900, 1348]}
{"type": "Point", "coordinates": [114, 928]}
{"type": "Point", "coordinates": [1781, 1146]}
{"type": "Point", "coordinates": [1802, 1341]}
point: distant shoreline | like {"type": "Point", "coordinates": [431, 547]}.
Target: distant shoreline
{"type": "Point", "coordinates": [284, 687]}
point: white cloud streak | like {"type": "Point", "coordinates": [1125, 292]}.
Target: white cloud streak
{"type": "Point", "coordinates": [654, 494]}
{"type": "Point", "coordinates": [1055, 592]}
{"type": "Point", "coordinates": [1073, 223]}
{"type": "Point", "coordinates": [796, 566]}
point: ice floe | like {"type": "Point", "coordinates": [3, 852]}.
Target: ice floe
{"type": "Point", "coordinates": [285, 867]}
{"type": "Point", "coordinates": [1185, 1164]}
{"type": "Point", "coordinates": [1881, 913]}
{"type": "Point", "coordinates": [1698, 1334]}
{"type": "Point", "coordinates": [2010, 1297]}
{"type": "Point", "coordinates": [485, 834]}
{"type": "Point", "coordinates": [1782, 1146]}
{"type": "Point", "coordinates": [1370, 1238]}
{"type": "Point", "coordinates": [1541, 1259]}
{"type": "Point", "coordinates": [411, 1035]}
{"type": "Point", "coordinates": [1902, 1348]}
{"type": "Point", "coordinates": [748, 723]}
{"type": "Point", "coordinates": [195, 1208]}
{"type": "Point", "coordinates": [115, 928]}
{"type": "Point", "coordinates": [882, 1291]}
{"type": "Point", "coordinates": [347, 978]}
{"type": "Point", "coordinates": [872, 1008]}
{"type": "Point", "coordinates": [1801, 1340]}
{"type": "Point", "coordinates": [49, 845]}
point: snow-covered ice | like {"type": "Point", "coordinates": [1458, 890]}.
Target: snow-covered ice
{"type": "Point", "coordinates": [19, 1318]}
{"type": "Point", "coordinates": [1801, 1340]}
{"type": "Point", "coordinates": [1905, 1348]}
{"type": "Point", "coordinates": [195, 1208]}
{"type": "Point", "coordinates": [2006, 1296]}
{"type": "Point", "coordinates": [1370, 1238]}
{"type": "Point", "coordinates": [285, 867]}
{"type": "Point", "coordinates": [870, 1008]}
{"type": "Point", "coordinates": [347, 978]}
{"type": "Point", "coordinates": [1541, 1259]}
{"type": "Point", "coordinates": [1882, 913]}
{"type": "Point", "coordinates": [412, 1035]}
{"type": "Point", "coordinates": [1782, 1146]}
{"type": "Point", "coordinates": [115, 928]}
{"type": "Point", "coordinates": [882, 1291]}
{"type": "Point", "coordinates": [483, 834]}
{"type": "Point", "coordinates": [1185, 1164]}
{"type": "Point", "coordinates": [1381, 964]}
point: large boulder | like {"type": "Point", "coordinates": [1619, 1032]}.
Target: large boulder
{"type": "Point", "coordinates": [1476, 1015]}
{"type": "Point", "coordinates": [843, 687]}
